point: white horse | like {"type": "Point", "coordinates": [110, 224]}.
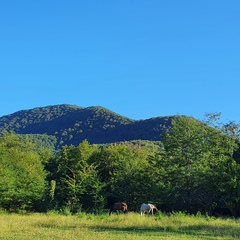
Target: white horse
{"type": "Point", "coordinates": [147, 207]}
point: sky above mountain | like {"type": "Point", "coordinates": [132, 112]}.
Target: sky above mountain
{"type": "Point", "coordinates": [138, 58]}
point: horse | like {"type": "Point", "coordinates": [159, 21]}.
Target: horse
{"type": "Point", "coordinates": [149, 208]}
{"type": "Point", "coordinates": [122, 206]}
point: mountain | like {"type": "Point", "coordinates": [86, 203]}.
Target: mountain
{"type": "Point", "coordinates": [71, 124]}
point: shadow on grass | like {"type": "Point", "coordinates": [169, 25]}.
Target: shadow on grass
{"type": "Point", "coordinates": [200, 230]}
{"type": "Point", "coordinates": [205, 231]}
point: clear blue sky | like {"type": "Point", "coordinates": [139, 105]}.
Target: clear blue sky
{"type": "Point", "coordinates": [138, 58]}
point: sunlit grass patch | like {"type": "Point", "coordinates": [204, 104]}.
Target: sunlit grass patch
{"type": "Point", "coordinates": [120, 227]}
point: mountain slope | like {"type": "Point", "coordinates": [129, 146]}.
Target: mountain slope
{"type": "Point", "coordinates": [72, 124]}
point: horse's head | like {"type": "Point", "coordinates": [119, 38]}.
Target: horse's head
{"type": "Point", "coordinates": [124, 207]}
{"type": "Point", "coordinates": [155, 208]}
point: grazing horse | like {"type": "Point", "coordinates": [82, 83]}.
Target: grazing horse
{"type": "Point", "coordinates": [122, 206]}
{"type": "Point", "coordinates": [149, 208]}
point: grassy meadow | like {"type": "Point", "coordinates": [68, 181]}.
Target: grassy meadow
{"type": "Point", "coordinates": [118, 227]}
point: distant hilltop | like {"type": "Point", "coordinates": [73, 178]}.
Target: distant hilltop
{"type": "Point", "coordinates": [71, 124]}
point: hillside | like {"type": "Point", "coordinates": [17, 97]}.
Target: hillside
{"type": "Point", "coordinates": [72, 124]}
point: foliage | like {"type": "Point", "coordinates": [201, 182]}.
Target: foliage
{"type": "Point", "coordinates": [70, 125]}
{"type": "Point", "coordinates": [22, 176]}
{"type": "Point", "coordinates": [200, 168]}
{"type": "Point", "coordinates": [41, 141]}
{"type": "Point", "coordinates": [77, 182]}
{"type": "Point", "coordinates": [121, 167]}
{"type": "Point", "coordinates": [195, 168]}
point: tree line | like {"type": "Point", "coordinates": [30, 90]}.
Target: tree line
{"type": "Point", "coordinates": [196, 168]}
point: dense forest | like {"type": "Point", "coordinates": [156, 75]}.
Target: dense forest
{"type": "Point", "coordinates": [194, 168]}
{"type": "Point", "coordinates": [70, 125]}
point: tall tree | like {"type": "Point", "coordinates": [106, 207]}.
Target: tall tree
{"type": "Point", "coordinates": [22, 175]}
{"type": "Point", "coordinates": [225, 145]}
{"type": "Point", "coordinates": [77, 182]}
{"type": "Point", "coordinates": [127, 173]}
{"type": "Point", "coordinates": [184, 157]}
{"type": "Point", "coordinates": [199, 163]}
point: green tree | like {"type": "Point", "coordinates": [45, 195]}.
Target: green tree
{"type": "Point", "coordinates": [199, 164]}
{"type": "Point", "coordinates": [184, 161]}
{"type": "Point", "coordinates": [224, 156]}
{"type": "Point", "coordinates": [127, 173]}
{"type": "Point", "coordinates": [22, 175]}
{"type": "Point", "coordinates": [77, 182]}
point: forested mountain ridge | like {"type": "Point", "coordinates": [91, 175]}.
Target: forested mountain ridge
{"type": "Point", "coordinates": [71, 124]}
{"type": "Point", "coordinates": [195, 168]}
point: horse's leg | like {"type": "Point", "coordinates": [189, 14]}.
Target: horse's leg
{"type": "Point", "coordinates": [151, 211]}
{"type": "Point", "coordinates": [111, 212]}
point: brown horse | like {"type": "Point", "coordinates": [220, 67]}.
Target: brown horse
{"type": "Point", "coordinates": [121, 206]}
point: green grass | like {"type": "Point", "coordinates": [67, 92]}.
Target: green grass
{"type": "Point", "coordinates": [120, 227]}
